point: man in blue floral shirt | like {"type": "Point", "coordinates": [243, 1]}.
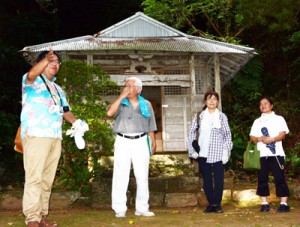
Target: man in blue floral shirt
{"type": "Point", "coordinates": [44, 106]}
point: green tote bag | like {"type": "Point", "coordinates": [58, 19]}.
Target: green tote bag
{"type": "Point", "coordinates": [251, 157]}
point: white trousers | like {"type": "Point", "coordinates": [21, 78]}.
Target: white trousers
{"type": "Point", "coordinates": [127, 151]}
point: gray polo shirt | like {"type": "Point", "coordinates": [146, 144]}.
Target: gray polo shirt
{"type": "Point", "coordinates": [131, 121]}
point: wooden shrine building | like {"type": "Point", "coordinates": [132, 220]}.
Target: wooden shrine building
{"type": "Point", "coordinates": [176, 69]}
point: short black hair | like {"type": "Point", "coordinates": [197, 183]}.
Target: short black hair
{"type": "Point", "coordinates": [43, 54]}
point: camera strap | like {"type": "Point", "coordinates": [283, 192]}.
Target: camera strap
{"type": "Point", "coordinates": [51, 92]}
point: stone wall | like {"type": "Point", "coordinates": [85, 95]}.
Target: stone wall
{"type": "Point", "coordinates": [184, 192]}
{"type": "Point", "coordinates": [173, 182]}
{"type": "Point", "coordinates": [164, 192]}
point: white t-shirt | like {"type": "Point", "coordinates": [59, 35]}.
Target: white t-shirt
{"type": "Point", "coordinates": [205, 129]}
{"type": "Point", "coordinates": [275, 124]}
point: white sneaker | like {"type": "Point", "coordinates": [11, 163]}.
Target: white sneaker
{"type": "Point", "coordinates": [145, 213]}
{"type": "Point", "coordinates": [121, 215]}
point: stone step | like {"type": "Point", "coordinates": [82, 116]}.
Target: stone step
{"type": "Point", "coordinates": [164, 192]}
{"type": "Point", "coordinates": [183, 192]}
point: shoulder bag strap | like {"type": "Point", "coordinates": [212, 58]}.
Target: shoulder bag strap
{"type": "Point", "coordinates": [50, 91]}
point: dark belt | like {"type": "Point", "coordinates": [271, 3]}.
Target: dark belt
{"type": "Point", "coordinates": [131, 137]}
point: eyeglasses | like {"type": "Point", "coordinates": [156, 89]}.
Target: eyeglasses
{"type": "Point", "coordinates": [56, 62]}
{"type": "Point", "coordinates": [211, 99]}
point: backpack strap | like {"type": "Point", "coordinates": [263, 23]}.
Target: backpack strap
{"type": "Point", "coordinates": [198, 118]}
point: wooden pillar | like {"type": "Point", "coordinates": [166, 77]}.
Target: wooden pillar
{"type": "Point", "coordinates": [163, 118]}
{"type": "Point", "coordinates": [90, 60]}
{"type": "Point", "coordinates": [217, 78]}
{"type": "Point", "coordinates": [193, 84]}
{"type": "Point", "coordinates": [64, 56]}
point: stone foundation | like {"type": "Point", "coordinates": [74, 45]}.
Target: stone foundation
{"type": "Point", "coordinates": [164, 192]}
{"type": "Point", "coordinates": [173, 182]}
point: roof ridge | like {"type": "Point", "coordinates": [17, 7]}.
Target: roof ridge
{"type": "Point", "coordinates": [137, 21]}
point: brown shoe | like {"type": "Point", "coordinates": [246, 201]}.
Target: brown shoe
{"type": "Point", "coordinates": [33, 224]}
{"type": "Point", "coordinates": [45, 223]}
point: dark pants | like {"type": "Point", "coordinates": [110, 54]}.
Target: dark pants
{"type": "Point", "coordinates": [213, 180]}
{"type": "Point", "coordinates": [270, 164]}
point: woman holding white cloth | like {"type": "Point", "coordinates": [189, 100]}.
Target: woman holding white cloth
{"type": "Point", "coordinates": [215, 147]}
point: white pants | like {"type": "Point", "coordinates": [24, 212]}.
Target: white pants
{"type": "Point", "coordinates": [125, 152]}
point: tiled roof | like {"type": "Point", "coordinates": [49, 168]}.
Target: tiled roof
{"type": "Point", "coordinates": [172, 44]}
{"type": "Point", "coordinates": [142, 33]}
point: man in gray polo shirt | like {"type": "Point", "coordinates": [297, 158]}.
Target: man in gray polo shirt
{"type": "Point", "coordinates": [135, 142]}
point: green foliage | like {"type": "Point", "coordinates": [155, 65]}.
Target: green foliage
{"type": "Point", "coordinates": [9, 125]}
{"type": "Point", "coordinates": [10, 159]}
{"type": "Point", "coordinates": [12, 68]}
{"type": "Point", "coordinates": [206, 18]}
{"type": "Point", "coordinates": [240, 103]}
{"type": "Point", "coordinates": [241, 95]}
{"type": "Point", "coordinates": [291, 51]}
{"type": "Point", "coordinates": [275, 17]}
{"type": "Point", "coordinates": [291, 144]}
{"type": "Point", "coordinates": [293, 161]}
{"type": "Point", "coordinates": [169, 12]}
{"type": "Point", "coordinates": [84, 85]}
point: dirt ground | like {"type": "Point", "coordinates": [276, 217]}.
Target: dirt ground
{"type": "Point", "coordinates": [184, 217]}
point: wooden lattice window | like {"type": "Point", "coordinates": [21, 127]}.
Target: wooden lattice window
{"type": "Point", "coordinates": [175, 71]}
{"type": "Point", "coordinates": [199, 82]}
{"type": "Point", "coordinates": [176, 90]}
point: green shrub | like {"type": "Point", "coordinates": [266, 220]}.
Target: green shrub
{"type": "Point", "coordinates": [83, 85]}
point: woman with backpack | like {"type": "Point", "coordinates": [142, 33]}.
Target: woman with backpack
{"type": "Point", "coordinates": [214, 149]}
